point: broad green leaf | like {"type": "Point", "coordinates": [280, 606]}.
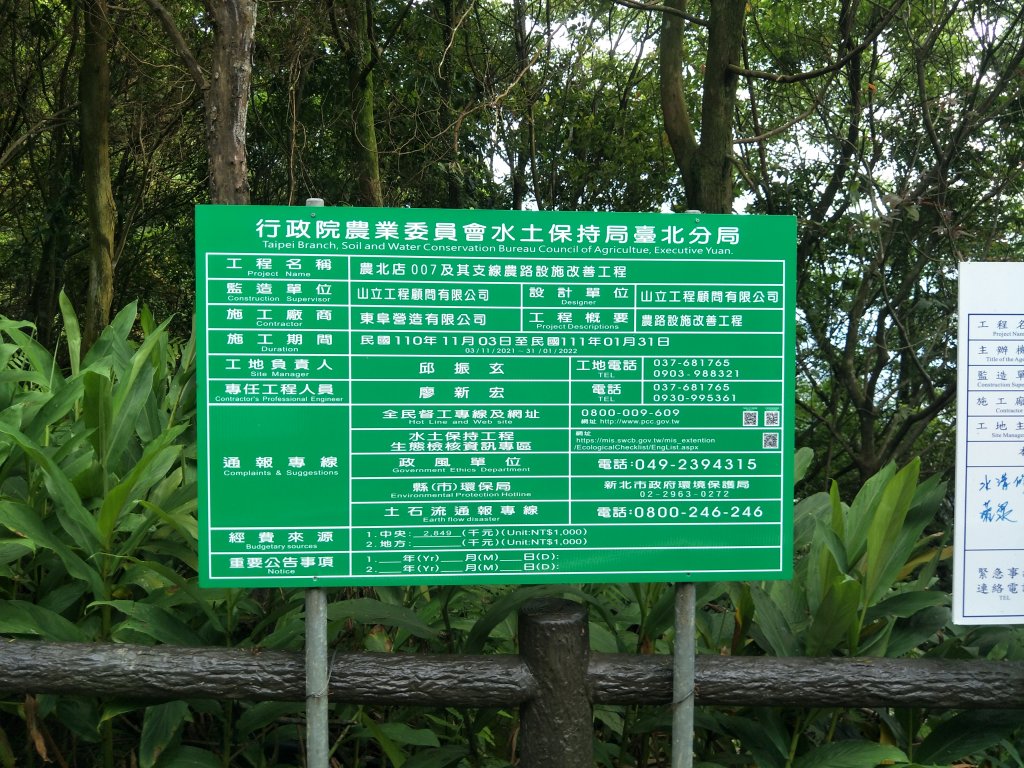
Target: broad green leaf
{"type": "Point", "coordinates": [367, 610]}
{"type": "Point", "coordinates": [141, 361]}
{"type": "Point", "coordinates": [265, 713]}
{"type": "Point", "coordinates": [806, 515]}
{"type": "Point", "coordinates": [755, 739]}
{"type": "Point", "coordinates": [402, 733]}
{"type": "Point", "coordinates": [97, 411]}
{"type": "Point", "coordinates": [129, 400]}
{"type": "Point", "coordinates": [395, 754]}
{"type": "Point", "coordinates": [187, 587]}
{"type": "Point", "coordinates": [72, 332]}
{"type": "Point", "coordinates": [850, 754]}
{"type": "Point", "coordinates": [826, 562]}
{"type": "Point", "coordinates": [773, 624]}
{"type": "Point", "coordinates": [189, 757]}
{"type": "Point", "coordinates": [74, 517]}
{"type": "Point", "coordinates": [860, 518]}
{"type": "Point", "coordinates": [160, 725]}
{"type": "Point", "coordinates": [79, 715]}
{"type": "Point", "coordinates": [18, 617]}
{"type": "Point", "coordinates": [966, 734]}
{"type": "Point", "coordinates": [56, 407]}
{"type": "Point", "coordinates": [444, 757]}
{"type": "Point", "coordinates": [156, 460]}
{"type": "Point", "coordinates": [42, 362]}
{"type": "Point", "coordinates": [15, 549]}
{"type": "Point", "coordinates": [833, 619]}
{"type": "Point", "coordinates": [801, 462]}
{"type": "Point", "coordinates": [907, 604]}
{"type": "Point", "coordinates": [887, 550]}
{"type": "Point", "coordinates": [912, 632]}
{"type": "Point", "coordinates": [153, 621]}
{"type": "Point", "coordinates": [24, 520]}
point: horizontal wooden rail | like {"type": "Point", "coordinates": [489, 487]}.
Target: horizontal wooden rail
{"type": "Point", "coordinates": [166, 672]}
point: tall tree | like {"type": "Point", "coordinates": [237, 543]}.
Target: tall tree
{"type": "Point", "coordinates": [225, 90]}
{"type": "Point", "coordinates": [705, 161]}
{"type": "Point", "coordinates": [94, 110]}
{"type": "Point", "coordinates": [353, 26]}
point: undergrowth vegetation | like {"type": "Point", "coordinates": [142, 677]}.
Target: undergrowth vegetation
{"type": "Point", "coordinates": [98, 543]}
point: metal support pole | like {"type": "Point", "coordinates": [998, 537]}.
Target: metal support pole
{"type": "Point", "coordinates": [317, 746]}
{"type": "Point", "coordinates": [557, 724]}
{"type": "Point", "coordinates": [684, 653]}
{"type": "Point", "coordinates": [317, 665]}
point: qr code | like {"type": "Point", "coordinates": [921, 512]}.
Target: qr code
{"type": "Point", "coordinates": [750, 418]}
{"type": "Point", "coordinates": [770, 440]}
{"type": "Point", "coordinates": [771, 418]}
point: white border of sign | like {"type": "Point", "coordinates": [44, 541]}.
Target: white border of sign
{"type": "Point", "coordinates": [988, 579]}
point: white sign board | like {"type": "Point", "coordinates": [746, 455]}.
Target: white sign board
{"type": "Point", "coordinates": [988, 584]}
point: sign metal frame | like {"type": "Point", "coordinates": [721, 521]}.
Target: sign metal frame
{"type": "Point", "coordinates": [409, 396]}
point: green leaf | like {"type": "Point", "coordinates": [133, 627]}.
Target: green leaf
{"type": "Point", "coordinates": [129, 399]}
{"type": "Point", "coordinates": [160, 726]}
{"type": "Point", "coordinates": [806, 515]}
{"type": "Point", "coordinates": [97, 411]}
{"type": "Point", "coordinates": [72, 332]}
{"type": "Point", "coordinates": [831, 622]}
{"type": "Point", "coordinates": [907, 604]}
{"type": "Point", "coordinates": [56, 407]}
{"type": "Point", "coordinates": [367, 610]}
{"type": "Point", "coordinates": [153, 621]}
{"type": "Point", "coordinates": [265, 713]}
{"type": "Point", "coordinates": [912, 632]}
{"type": "Point", "coordinates": [438, 758]}
{"type": "Point", "coordinates": [23, 520]}
{"type": "Point", "coordinates": [18, 617]}
{"type": "Point", "coordinates": [966, 734]}
{"type": "Point", "coordinates": [757, 740]}
{"type": "Point", "coordinates": [773, 624]}
{"type": "Point", "coordinates": [402, 733]}
{"type": "Point", "coordinates": [849, 754]}
{"type": "Point", "coordinates": [189, 757]}
{"type": "Point", "coordinates": [42, 362]}
{"type": "Point", "coordinates": [887, 550]}
{"type": "Point", "coordinates": [801, 462]}
{"type": "Point", "coordinates": [156, 460]}
{"type": "Point", "coordinates": [73, 516]}
{"type": "Point", "coordinates": [861, 516]}
{"type": "Point", "coordinates": [395, 754]}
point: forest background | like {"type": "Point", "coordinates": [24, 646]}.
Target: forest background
{"type": "Point", "coordinates": [892, 131]}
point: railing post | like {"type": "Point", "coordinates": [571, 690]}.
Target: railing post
{"type": "Point", "coordinates": [556, 726]}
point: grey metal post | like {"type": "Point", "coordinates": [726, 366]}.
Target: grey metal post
{"type": "Point", "coordinates": [317, 665]}
{"type": "Point", "coordinates": [556, 725]}
{"type": "Point", "coordinates": [684, 652]}
{"type": "Point", "coordinates": [317, 742]}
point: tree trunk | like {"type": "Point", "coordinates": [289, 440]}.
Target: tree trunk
{"type": "Point", "coordinates": [94, 111]}
{"type": "Point", "coordinates": [226, 100]}
{"type": "Point", "coordinates": [705, 165]}
{"type": "Point", "coordinates": [360, 91]}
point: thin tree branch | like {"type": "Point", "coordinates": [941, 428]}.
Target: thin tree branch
{"type": "Point", "coordinates": [829, 68]}
{"type": "Point", "coordinates": [184, 52]}
{"type": "Point", "coordinates": [662, 9]}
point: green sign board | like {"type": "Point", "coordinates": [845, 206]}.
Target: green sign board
{"type": "Point", "coordinates": [402, 396]}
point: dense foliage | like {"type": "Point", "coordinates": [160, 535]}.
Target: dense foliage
{"type": "Point", "coordinates": [891, 130]}
{"type": "Point", "coordinates": [97, 509]}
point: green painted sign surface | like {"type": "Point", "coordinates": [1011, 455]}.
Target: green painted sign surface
{"type": "Point", "coordinates": [402, 396]}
